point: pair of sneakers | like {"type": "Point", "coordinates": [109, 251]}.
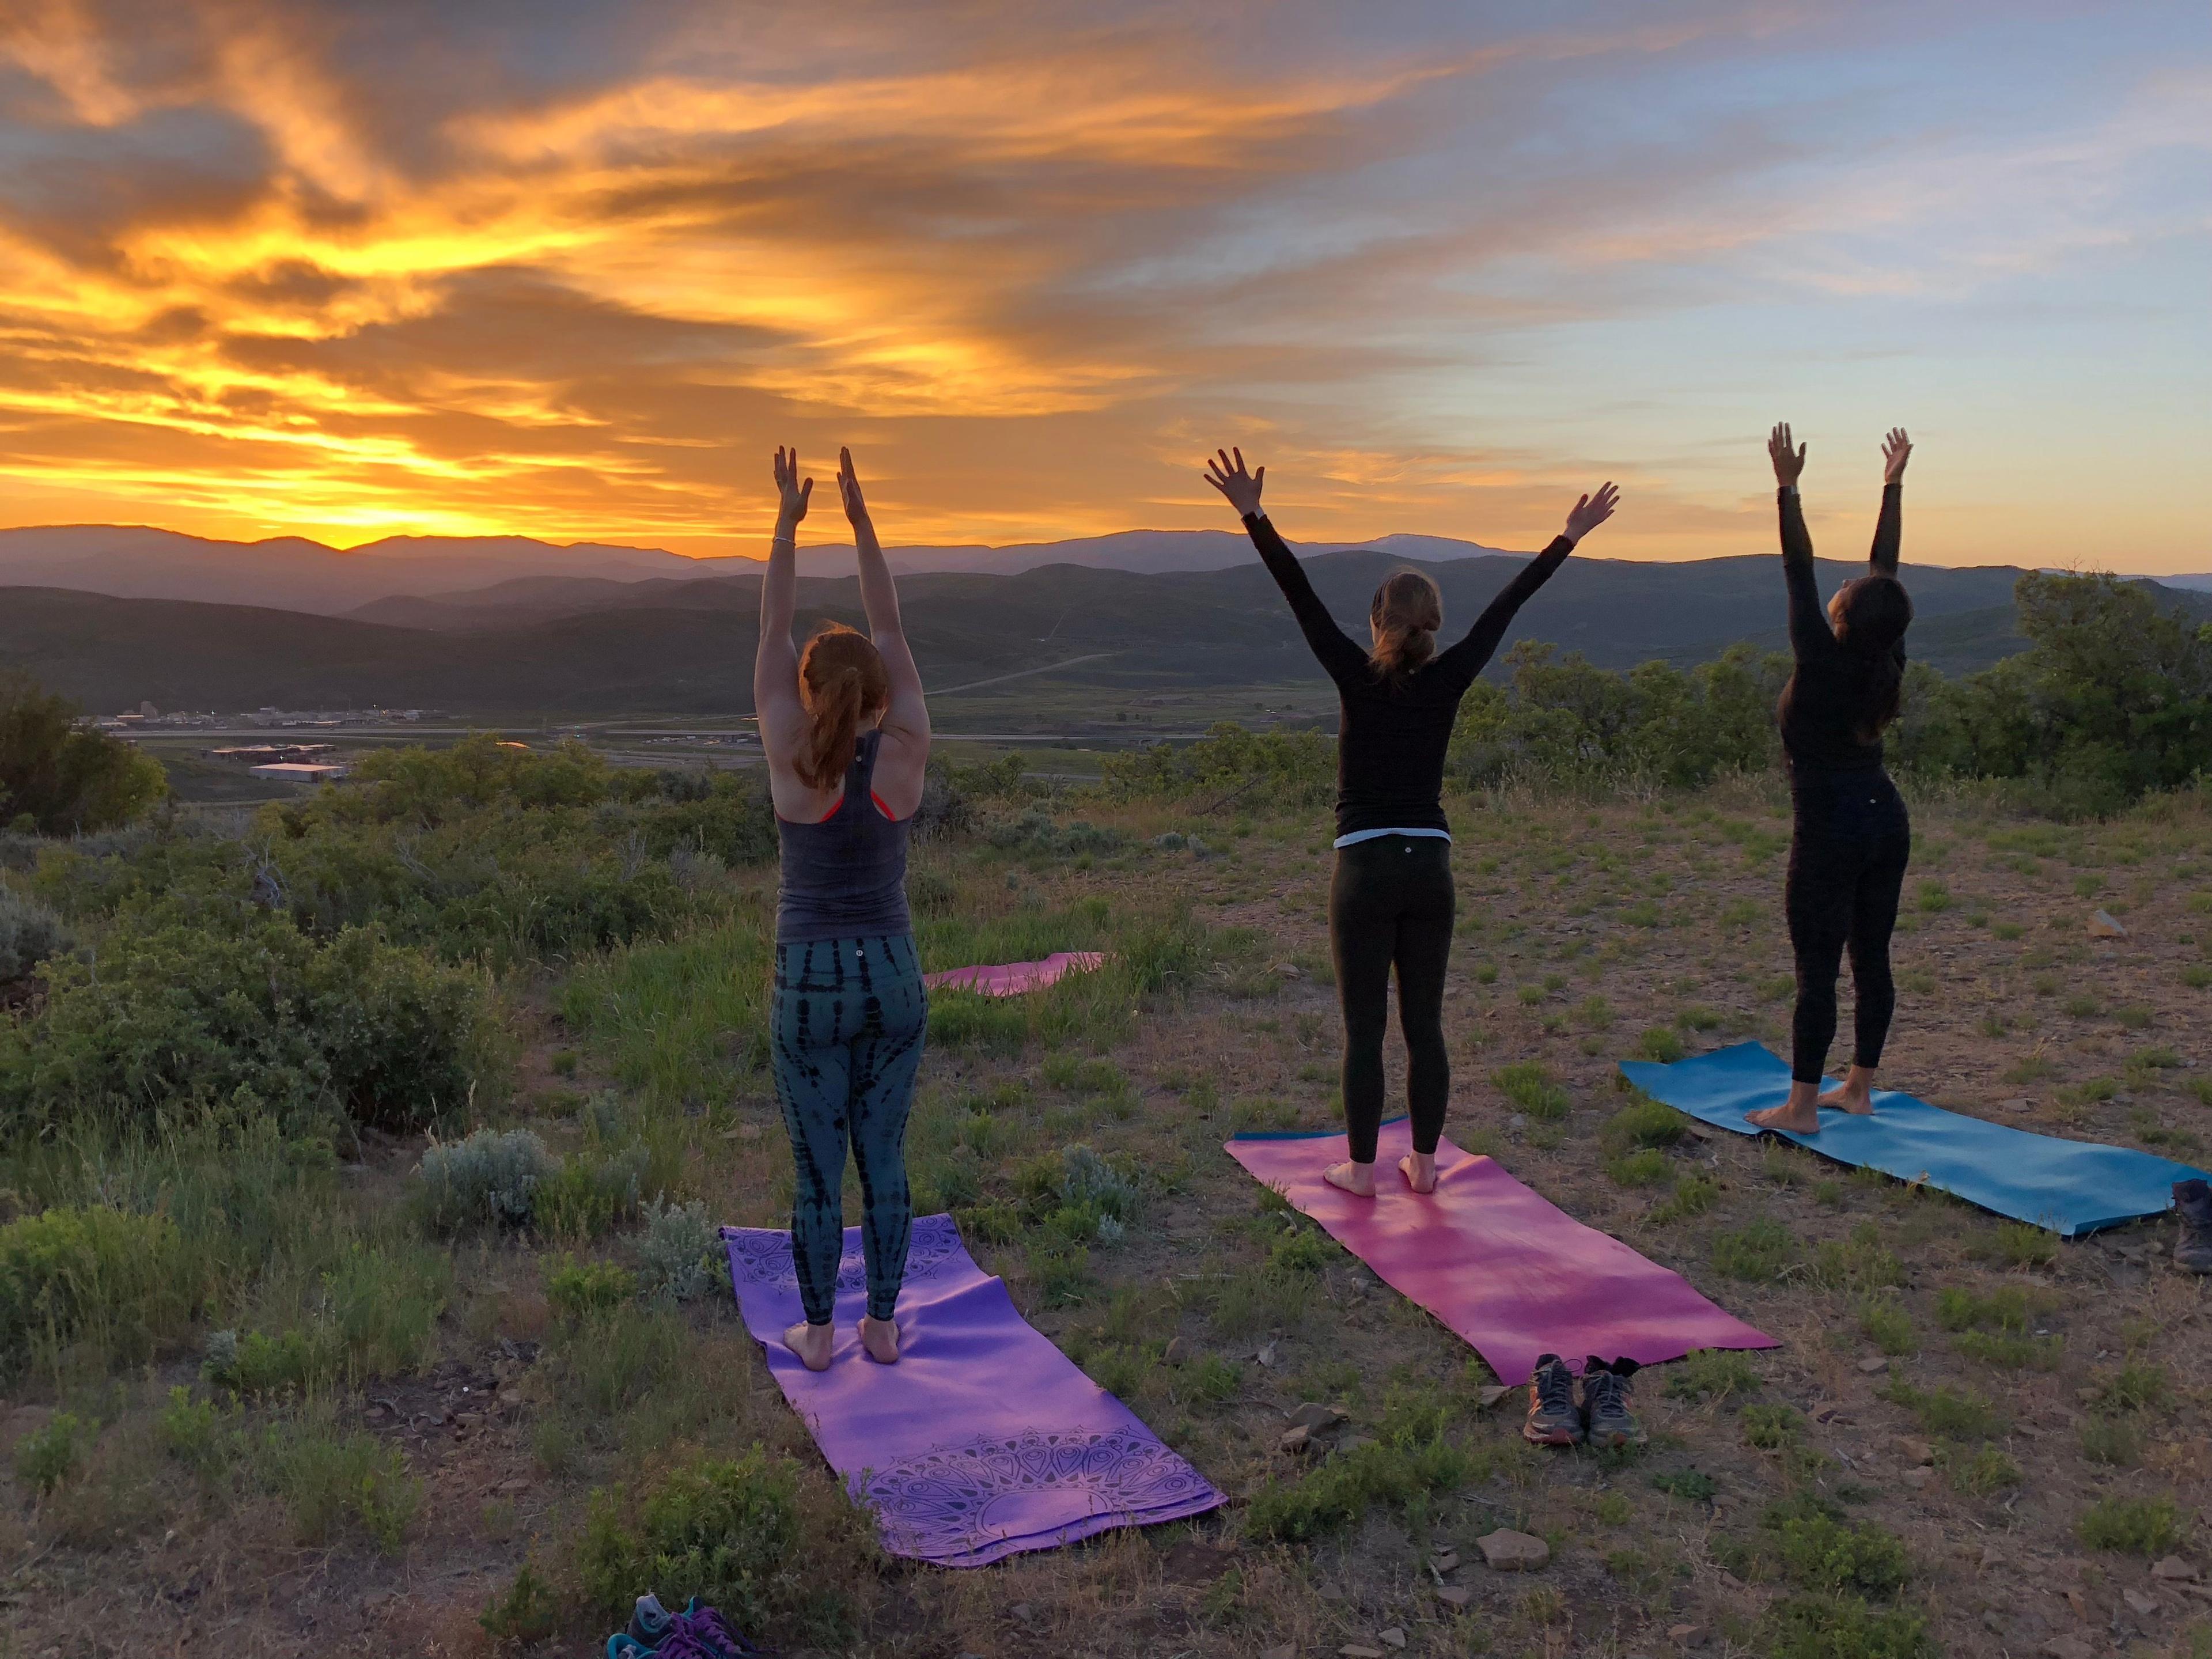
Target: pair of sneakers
{"type": "Point", "coordinates": [698, 1632]}
{"type": "Point", "coordinates": [1602, 1418]}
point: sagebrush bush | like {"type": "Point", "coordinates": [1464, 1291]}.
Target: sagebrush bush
{"type": "Point", "coordinates": [48, 1456]}
{"type": "Point", "coordinates": [678, 1255]}
{"type": "Point", "coordinates": [29, 933]}
{"type": "Point", "coordinates": [491, 1178]}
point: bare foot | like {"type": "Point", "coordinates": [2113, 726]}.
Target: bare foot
{"type": "Point", "coordinates": [881, 1339]}
{"type": "Point", "coordinates": [1358, 1179]}
{"type": "Point", "coordinates": [1419, 1169]}
{"type": "Point", "coordinates": [1798, 1121]}
{"type": "Point", "coordinates": [1856, 1095]}
{"type": "Point", "coordinates": [811, 1344]}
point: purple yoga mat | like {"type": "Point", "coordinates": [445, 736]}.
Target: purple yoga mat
{"type": "Point", "coordinates": [1509, 1272]}
{"type": "Point", "coordinates": [984, 1440]}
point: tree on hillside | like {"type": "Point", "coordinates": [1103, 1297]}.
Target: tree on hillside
{"type": "Point", "coordinates": [62, 777]}
{"type": "Point", "coordinates": [2112, 699]}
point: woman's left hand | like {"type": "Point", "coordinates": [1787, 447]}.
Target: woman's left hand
{"type": "Point", "coordinates": [1591, 511]}
{"type": "Point", "coordinates": [849, 489]}
{"type": "Point", "coordinates": [1896, 450]}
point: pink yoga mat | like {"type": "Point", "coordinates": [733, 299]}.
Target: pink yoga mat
{"type": "Point", "coordinates": [1008, 979]}
{"type": "Point", "coordinates": [1509, 1272]}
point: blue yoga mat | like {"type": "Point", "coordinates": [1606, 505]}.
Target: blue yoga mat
{"type": "Point", "coordinates": [2071, 1187]}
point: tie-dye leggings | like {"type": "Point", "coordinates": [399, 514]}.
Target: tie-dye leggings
{"type": "Point", "coordinates": [847, 1023]}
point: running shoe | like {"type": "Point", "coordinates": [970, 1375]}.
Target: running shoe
{"type": "Point", "coordinates": [1607, 1422]}
{"type": "Point", "coordinates": [1553, 1419]}
{"type": "Point", "coordinates": [2192, 1206]}
{"type": "Point", "coordinates": [652, 1626]}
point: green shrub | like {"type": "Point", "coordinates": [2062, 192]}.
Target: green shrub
{"type": "Point", "coordinates": [1694, 1195]}
{"type": "Point", "coordinates": [1690, 1485]}
{"type": "Point", "coordinates": [1862, 1264]}
{"type": "Point", "coordinates": [68, 1273]}
{"type": "Point", "coordinates": [1302, 1250]}
{"type": "Point", "coordinates": [1986, 1472]}
{"type": "Point", "coordinates": [1660, 1044]}
{"type": "Point", "coordinates": [327, 1478]}
{"type": "Point", "coordinates": [1771, 1428]}
{"type": "Point", "coordinates": [1759, 1251]}
{"type": "Point", "coordinates": [2137, 1386]}
{"type": "Point", "coordinates": [725, 1530]}
{"type": "Point", "coordinates": [967, 1019]}
{"type": "Point", "coordinates": [589, 1195]}
{"type": "Point", "coordinates": [2131, 1526]}
{"type": "Point", "coordinates": [1712, 1374]}
{"type": "Point", "coordinates": [1340, 1491]}
{"type": "Point", "coordinates": [46, 1457]}
{"type": "Point", "coordinates": [1886, 1324]}
{"type": "Point", "coordinates": [384, 1304]}
{"type": "Point", "coordinates": [1953, 1414]}
{"type": "Point", "coordinates": [1530, 1087]}
{"type": "Point", "coordinates": [1645, 1167]}
{"type": "Point", "coordinates": [526, 1611]}
{"type": "Point", "coordinates": [194, 1007]}
{"type": "Point", "coordinates": [1647, 1122]}
{"type": "Point", "coordinates": [193, 1433]}
{"type": "Point", "coordinates": [577, 1289]}
{"type": "Point", "coordinates": [1844, 1627]}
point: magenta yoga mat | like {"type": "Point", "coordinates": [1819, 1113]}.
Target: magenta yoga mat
{"type": "Point", "coordinates": [1513, 1274]}
{"type": "Point", "coordinates": [984, 1440]}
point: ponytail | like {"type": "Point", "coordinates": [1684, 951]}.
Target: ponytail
{"type": "Point", "coordinates": [1406, 612]}
{"type": "Point", "coordinates": [840, 681]}
{"type": "Point", "coordinates": [1876, 611]}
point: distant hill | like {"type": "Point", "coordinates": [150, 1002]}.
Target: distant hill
{"type": "Point", "coordinates": [685, 647]}
{"type": "Point", "coordinates": [291, 572]}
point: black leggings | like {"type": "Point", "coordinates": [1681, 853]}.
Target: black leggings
{"type": "Point", "coordinates": [1390, 903]}
{"type": "Point", "coordinates": [1847, 862]}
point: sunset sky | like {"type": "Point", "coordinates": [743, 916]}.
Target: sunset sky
{"type": "Point", "coordinates": [573, 270]}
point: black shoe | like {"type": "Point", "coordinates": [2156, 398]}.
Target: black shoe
{"type": "Point", "coordinates": [2192, 1203]}
{"type": "Point", "coordinates": [1606, 1419]}
{"type": "Point", "coordinates": [1553, 1418]}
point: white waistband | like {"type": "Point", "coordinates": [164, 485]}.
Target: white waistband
{"type": "Point", "coordinates": [1372, 834]}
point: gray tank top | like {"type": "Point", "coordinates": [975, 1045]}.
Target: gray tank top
{"type": "Point", "coordinates": [845, 878]}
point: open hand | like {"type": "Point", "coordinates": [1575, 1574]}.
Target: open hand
{"type": "Point", "coordinates": [1588, 513]}
{"type": "Point", "coordinates": [1789, 464]}
{"type": "Point", "coordinates": [792, 494]}
{"type": "Point", "coordinates": [1229, 477]}
{"type": "Point", "coordinates": [849, 489]}
{"type": "Point", "coordinates": [1896, 450]}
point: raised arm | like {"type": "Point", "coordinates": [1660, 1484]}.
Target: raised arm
{"type": "Point", "coordinates": [1889, 528]}
{"type": "Point", "coordinates": [1809, 632]}
{"type": "Point", "coordinates": [775, 663]}
{"type": "Point", "coordinates": [1335, 649]}
{"type": "Point", "coordinates": [1471, 654]}
{"type": "Point", "coordinates": [906, 720]}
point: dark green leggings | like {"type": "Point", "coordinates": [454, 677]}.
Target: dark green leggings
{"type": "Point", "coordinates": [847, 1023]}
{"type": "Point", "coordinates": [1390, 905]}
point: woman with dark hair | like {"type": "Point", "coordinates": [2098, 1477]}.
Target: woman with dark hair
{"type": "Point", "coordinates": [847, 736]}
{"type": "Point", "coordinates": [1390, 900]}
{"type": "Point", "coordinates": [1849, 838]}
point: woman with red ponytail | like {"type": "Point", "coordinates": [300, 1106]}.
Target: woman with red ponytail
{"type": "Point", "coordinates": [1390, 900]}
{"type": "Point", "coordinates": [846, 735]}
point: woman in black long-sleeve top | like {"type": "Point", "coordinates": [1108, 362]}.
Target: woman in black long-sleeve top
{"type": "Point", "coordinates": [1390, 900]}
{"type": "Point", "coordinates": [1850, 838]}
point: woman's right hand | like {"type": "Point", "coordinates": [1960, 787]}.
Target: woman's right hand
{"type": "Point", "coordinates": [1789, 464]}
{"type": "Point", "coordinates": [1229, 477]}
{"type": "Point", "coordinates": [1588, 513]}
{"type": "Point", "coordinates": [1896, 450]}
{"type": "Point", "coordinates": [792, 495]}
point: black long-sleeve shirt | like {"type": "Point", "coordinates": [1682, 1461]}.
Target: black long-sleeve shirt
{"type": "Point", "coordinates": [1824, 706]}
{"type": "Point", "coordinates": [1391, 738]}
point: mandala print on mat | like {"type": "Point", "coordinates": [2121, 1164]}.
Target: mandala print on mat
{"type": "Point", "coordinates": [938, 1505]}
{"type": "Point", "coordinates": [760, 1257]}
